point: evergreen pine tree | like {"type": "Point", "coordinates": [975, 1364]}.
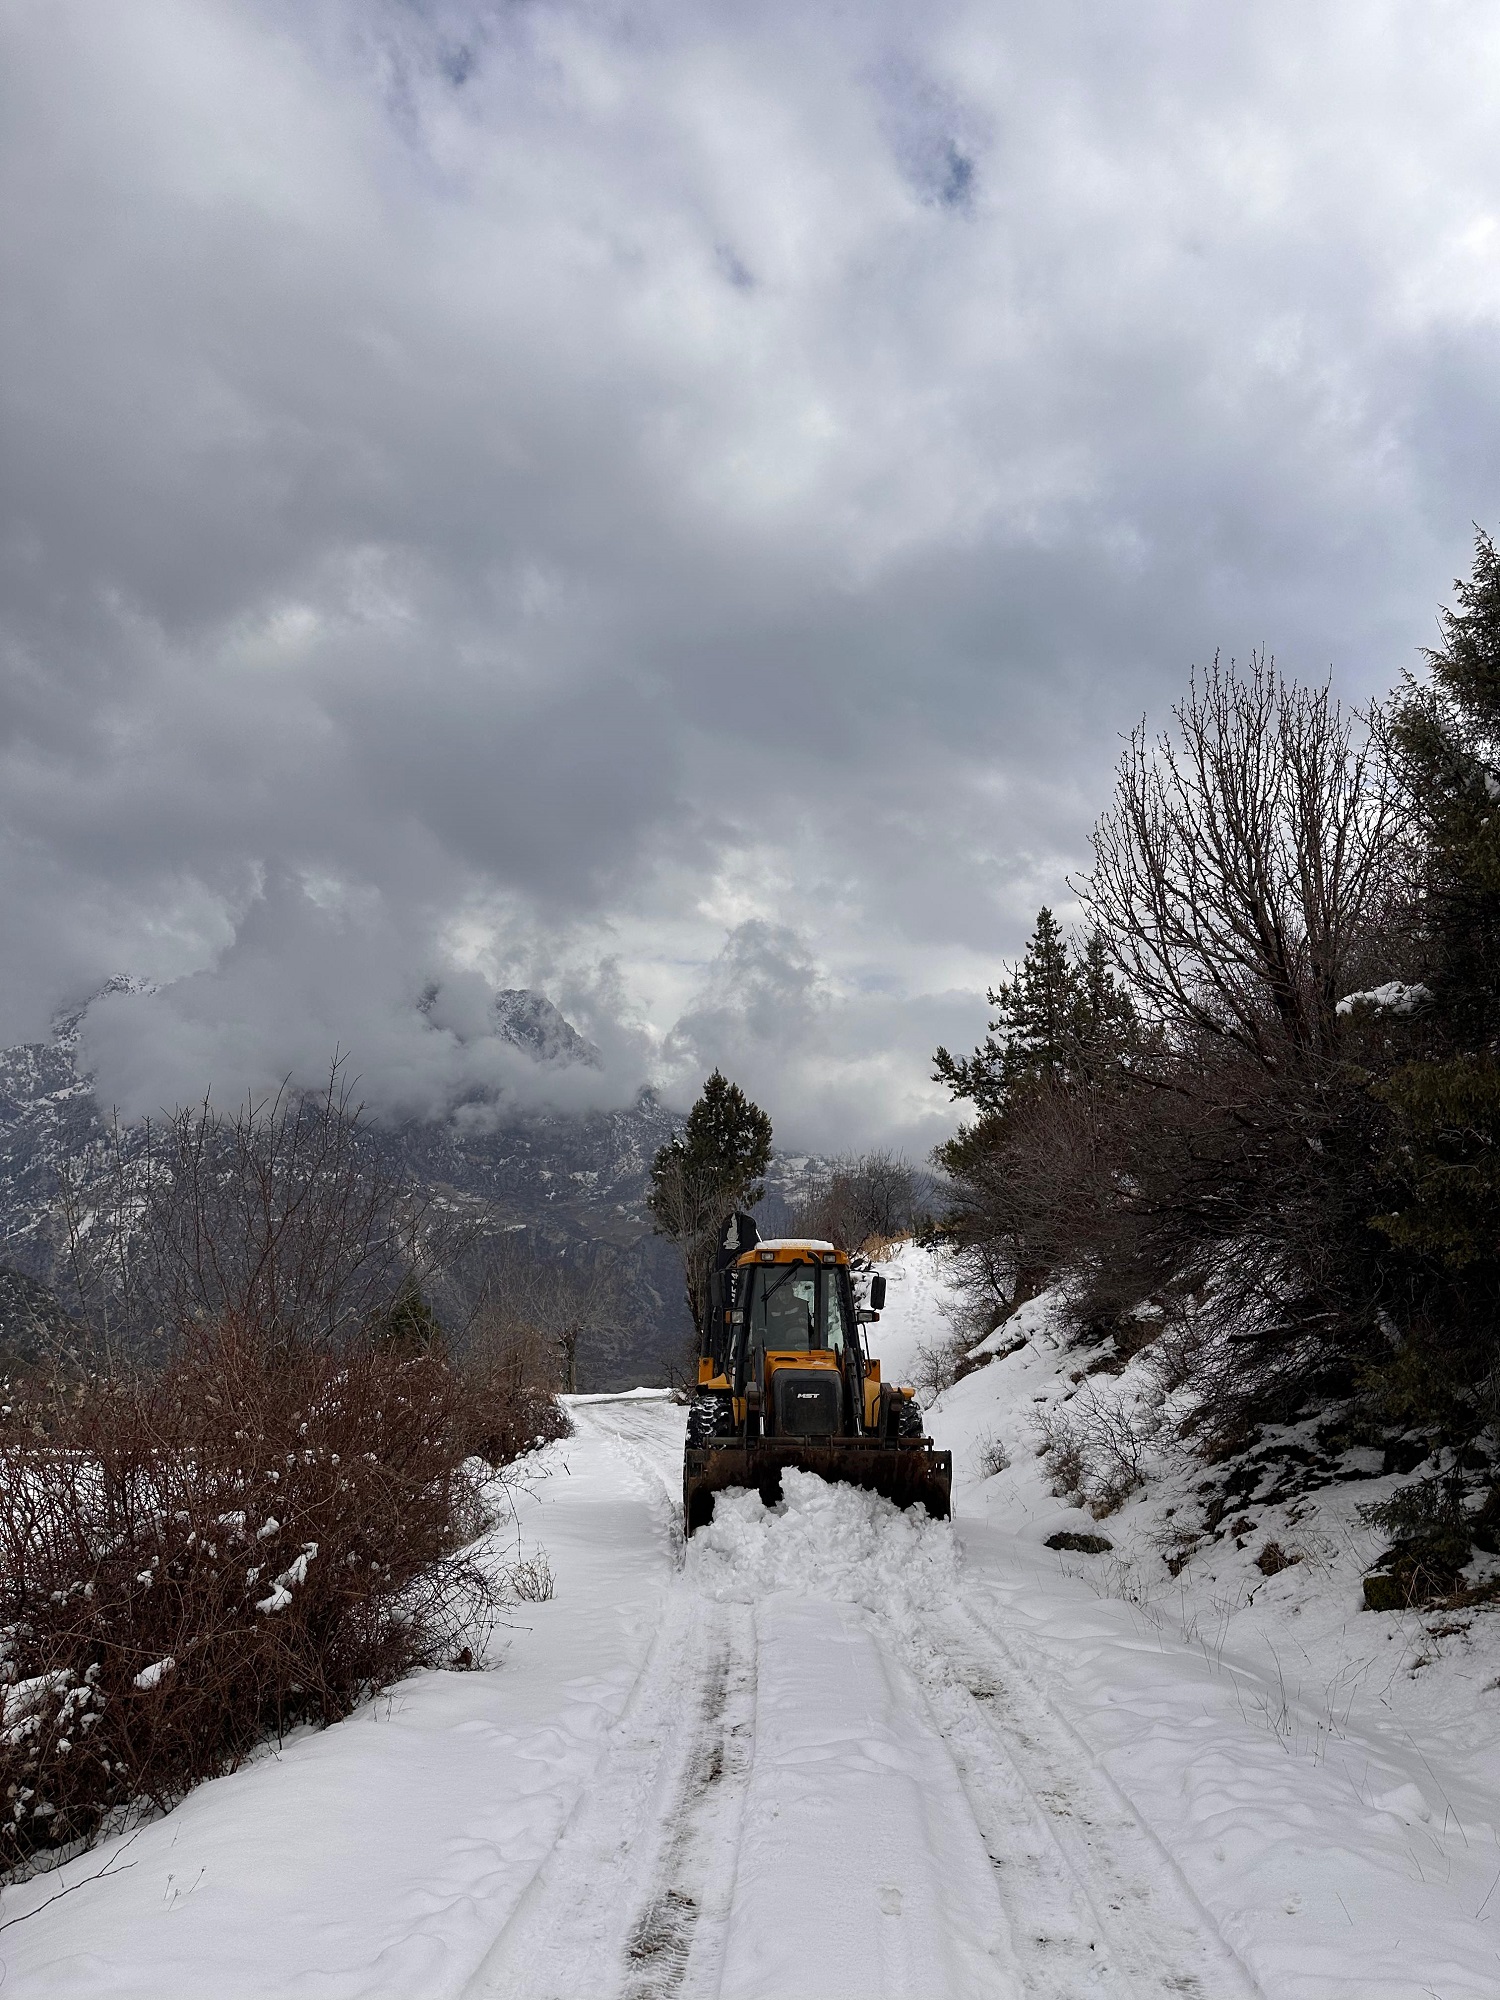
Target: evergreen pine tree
{"type": "Point", "coordinates": [1057, 1009]}
{"type": "Point", "coordinates": [409, 1325]}
{"type": "Point", "coordinates": [1445, 737]}
{"type": "Point", "coordinates": [1062, 1025]}
{"type": "Point", "coordinates": [712, 1167]}
{"type": "Point", "coordinates": [1104, 1016]}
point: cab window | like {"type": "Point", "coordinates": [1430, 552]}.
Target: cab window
{"type": "Point", "coordinates": [796, 1306]}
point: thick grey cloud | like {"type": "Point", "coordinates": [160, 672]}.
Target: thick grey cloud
{"type": "Point", "coordinates": [677, 505]}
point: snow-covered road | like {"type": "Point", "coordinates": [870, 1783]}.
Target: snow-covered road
{"type": "Point", "coordinates": [830, 1752]}
{"type": "Point", "coordinates": [831, 1779]}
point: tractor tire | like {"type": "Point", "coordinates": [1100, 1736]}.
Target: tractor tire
{"type": "Point", "coordinates": [912, 1423]}
{"type": "Point", "coordinates": [903, 1419]}
{"type": "Point", "coordinates": [709, 1417]}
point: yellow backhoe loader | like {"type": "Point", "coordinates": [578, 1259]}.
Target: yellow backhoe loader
{"type": "Point", "coordinates": [785, 1378]}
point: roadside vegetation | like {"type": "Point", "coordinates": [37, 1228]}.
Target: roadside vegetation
{"type": "Point", "coordinates": [862, 1202]}
{"type": "Point", "coordinates": [241, 1491]}
{"type": "Point", "coordinates": [1248, 1119]}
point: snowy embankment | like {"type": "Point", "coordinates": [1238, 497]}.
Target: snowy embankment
{"type": "Point", "coordinates": [1327, 1778]}
{"type": "Point", "coordinates": [837, 1751]}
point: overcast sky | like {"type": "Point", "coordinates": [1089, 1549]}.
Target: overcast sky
{"type": "Point", "coordinates": [675, 504]}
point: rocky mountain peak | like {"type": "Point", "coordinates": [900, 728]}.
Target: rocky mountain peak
{"type": "Point", "coordinates": [531, 1023]}
{"type": "Point", "coordinates": [67, 1024]}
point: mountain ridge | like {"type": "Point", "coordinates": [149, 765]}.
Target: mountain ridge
{"type": "Point", "coordinates": [576, 1180]}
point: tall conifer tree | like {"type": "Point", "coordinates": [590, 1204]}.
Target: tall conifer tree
{"type": "Point", "coordinates": [714, 1165]}
{"type": "Point", "coordinates": [1445, 735]}
{"type": "Point", "coordinates": [1057, 1008]}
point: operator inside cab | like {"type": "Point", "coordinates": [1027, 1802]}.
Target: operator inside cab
{"type": "Point", "coordinates": [796, 1307]}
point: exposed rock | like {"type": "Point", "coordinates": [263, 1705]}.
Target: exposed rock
{"type": "Point", "coordinates": [1384, 1592]}
{"type": "Point", "coordinates": [531, 1023]}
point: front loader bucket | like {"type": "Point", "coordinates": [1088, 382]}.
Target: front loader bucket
{"type": "Point", "coordinates": [909, 1473]}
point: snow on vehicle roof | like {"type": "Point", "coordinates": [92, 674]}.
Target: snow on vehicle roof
{"type": "Point", "coordinates": [792, 1243]}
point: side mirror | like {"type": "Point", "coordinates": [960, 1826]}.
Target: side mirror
{"type": "Point", "coordinates": [877, 1292]}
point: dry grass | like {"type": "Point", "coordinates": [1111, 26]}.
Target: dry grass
{"type": "Point", "coordinates": [878, 1247]}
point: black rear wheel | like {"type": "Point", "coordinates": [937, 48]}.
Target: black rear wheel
{"type": "Point", "coordinates": [903, 1419]}
{"type": "Point", "coordinates": [709, 1416]}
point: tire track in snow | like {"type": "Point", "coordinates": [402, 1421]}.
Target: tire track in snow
{"type": "Point", "coordinates": [675, 1943]}
{"type": "Point", "coordinates": [648, 1438]}
{"type": "Point", "coordinates": [1095, 1907]}
{"type": "Point", "coordinates": [677, 1940]}
{"type": "Point", "coordinates": [862, 1872]}
{"type": "Point", "coordinates": [633, 1899]}
{"type": "Point", "coordinates": [1097, 1904]}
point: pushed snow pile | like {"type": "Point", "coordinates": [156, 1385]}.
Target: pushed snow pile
{"type": "Point", "coordinates": [823, 1540]}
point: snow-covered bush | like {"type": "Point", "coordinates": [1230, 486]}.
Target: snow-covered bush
{"type": "Point", "coordinates": [1096, 1447]}
{"type": "Point", "coordinates": [256, 1536]}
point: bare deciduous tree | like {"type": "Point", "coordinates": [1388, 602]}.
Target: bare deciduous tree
{"type": "Point", "coordinates": [1244, 861]}
{"type": "Point", "coordinates": [278, 1214]}
{"type": "Point", "coordinates": [861, 1196]}
{"type": "Point", "coordinates": [535, 1308]}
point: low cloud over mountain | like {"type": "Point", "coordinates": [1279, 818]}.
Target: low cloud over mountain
{"type": "Point", "coordinates": [673, 508]}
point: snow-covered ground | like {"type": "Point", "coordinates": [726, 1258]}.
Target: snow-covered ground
{"type": "Point", "coordinates": [839, 1751]}
{"type": "Point", "coordinates": [1324, 1779]}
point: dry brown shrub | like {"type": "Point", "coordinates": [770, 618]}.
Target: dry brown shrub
{"type": "Point", "coordinates": [504, 1418]}
{"type": "Point", "coordinates": [259, 1535]}
{"type": "Point", "coordinates": [521, 1348]}
{"type": "Point", "coordinates": [1096, 1449]}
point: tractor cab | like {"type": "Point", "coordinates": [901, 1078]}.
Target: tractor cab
{"type": "Point", "coordinates": [795, 1354]}
{"type": "Point", "coordinates": [801, 1305]}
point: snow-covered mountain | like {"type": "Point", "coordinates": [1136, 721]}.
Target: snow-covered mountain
{"type": "Point", "coordinates": [531, 1023]}
{"type": "Point", "coordinates": [577, 1177]}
